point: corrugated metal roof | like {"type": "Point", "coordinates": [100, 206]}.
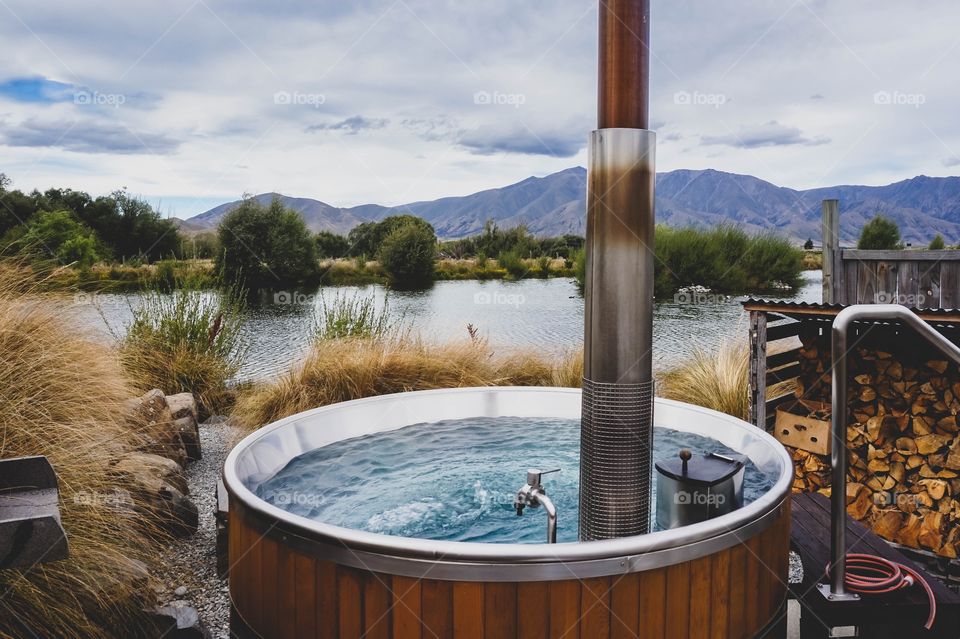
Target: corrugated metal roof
{"type": "Point", "coordinates": [809, 309]}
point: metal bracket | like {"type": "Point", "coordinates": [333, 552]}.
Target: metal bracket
{"type": "Point", "coordinates": [847, 596]}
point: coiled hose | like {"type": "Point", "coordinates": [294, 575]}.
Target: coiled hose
{"type": "Point", "coordinates": [872, 575]}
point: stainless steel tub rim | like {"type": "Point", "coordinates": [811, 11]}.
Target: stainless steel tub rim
{"type": "Point", "coordinates": [266, 451]}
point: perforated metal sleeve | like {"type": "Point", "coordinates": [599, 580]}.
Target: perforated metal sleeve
{"type": "Point", "coordinates": [615, 463]}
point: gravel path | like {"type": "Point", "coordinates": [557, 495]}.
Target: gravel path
{"type": "Point", "coordinates": [192, 562]}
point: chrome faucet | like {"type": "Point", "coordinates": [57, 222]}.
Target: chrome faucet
{"type": "Point", "coordinates": [532, 494]}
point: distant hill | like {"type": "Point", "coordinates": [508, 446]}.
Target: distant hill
{"type": "Point", "coordinates": [556, 204]}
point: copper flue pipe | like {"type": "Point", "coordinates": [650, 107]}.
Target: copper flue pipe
{"type": "Point", "coordinates": [624, 64]}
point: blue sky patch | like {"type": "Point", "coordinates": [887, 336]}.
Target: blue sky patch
{"type": "Point", "coordinates": [37, 90]}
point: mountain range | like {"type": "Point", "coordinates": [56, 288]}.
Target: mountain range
{"type": "Point", "coordinates": [556, 204]}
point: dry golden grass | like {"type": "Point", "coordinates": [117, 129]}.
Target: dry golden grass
{"type": "Point", "coordinates": [61, 396]}
{"type": "Point", "coordinates": [341, 370]}
{"type": "Point", "coordinates": [716, 379]}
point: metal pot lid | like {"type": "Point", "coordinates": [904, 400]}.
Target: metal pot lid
{"type": "Point", "coordinates": [704, 470]}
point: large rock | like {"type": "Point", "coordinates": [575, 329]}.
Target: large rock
{"type": "Point", "coordinates": [143, 467]}
{"type": "Point", "coordinates": [159, 491]}
{"type": "Point", "coordinates": [150, 416]}
{"type": "Point", "coordinates": [183, 405]}
{"type": "Point", "coordinates": [180, 620]}
{"type": "Point", "coordinates": [190, 436]}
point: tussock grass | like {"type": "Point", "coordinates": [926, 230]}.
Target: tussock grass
{"type": "Point", "coordinates": [717, 379]}
{"type": "Point", "coordinates": [62, 396]}
{"type": "Point", "coordinates": [353, 316]}
{"type": "Point", "coordinates": [186, 341]}
{"type": "Point", "coordinates": [341, 370]}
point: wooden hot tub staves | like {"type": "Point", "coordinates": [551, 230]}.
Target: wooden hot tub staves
{"type": "Point", "coordinates": [281, 592]}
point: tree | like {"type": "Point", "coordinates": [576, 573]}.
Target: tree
{"type": "Point", "coordinates": [4, 182]}
{"type": "Point", "coordinates": [367, 238]}
{"type": "Point", "coordinates": [408, 255]}
{"type": "Point", "coordinates": [266, 246]}
{"type": "Point", "coordinates": [808, 245]}
{"type": "Point", "coordinates": [937, 244]}
{"type": "Point", "coordinates": [60, 236]}
{"type": "Point", "coordinates": [331, 245]}
{"type": "Point", "coordinates": [880, 233]}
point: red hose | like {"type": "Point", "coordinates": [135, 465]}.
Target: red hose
{"type": "Point", "coordinates": [872, 575]}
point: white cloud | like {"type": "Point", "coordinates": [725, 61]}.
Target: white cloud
{"type": "Point", "coordinates": [798, 84]}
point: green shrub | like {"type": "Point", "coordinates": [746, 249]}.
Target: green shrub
{"type": "Point", "coordinates": [266, 247]}
{"type": "Point", "coordinates": [543, 266]}
{"type": "Point", "coordinates": [186, 341]}
{"type": "Point", "coordinates": [353, 316]}
{"type": "Point", "coordinates": [510, 261]}
{"type": "Point", "coordinates": [724, 259]}
{"type": "Point", "coordinates": [58, 235]}
{"type": "Point", "coordinates": [937, 244]}
{"type": "Point", "coordinates": [331, 246]}
{"type": "Point", "coordinates": [580, 268]}
{"type": "Point", "coordinates": [408, 255]}
{"type": "Point", "coordinates": [880, 233]}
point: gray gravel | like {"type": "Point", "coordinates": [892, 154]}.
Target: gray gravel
{"type": "Point", "coordinates": [192, 562]}
{"type": "Point", "coordinates": [796, 568]}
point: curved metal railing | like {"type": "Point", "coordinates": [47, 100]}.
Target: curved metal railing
{"type": "Point", "coordinates": [838, 459]}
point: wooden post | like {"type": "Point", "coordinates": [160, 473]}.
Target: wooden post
{"type": "Point", "coordinates": [758, 369]}
{"type": "Point", "coordinates": [832, 265]}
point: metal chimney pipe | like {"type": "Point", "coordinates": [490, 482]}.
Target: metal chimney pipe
{"type": "Point", "coordinates": [617, 424]}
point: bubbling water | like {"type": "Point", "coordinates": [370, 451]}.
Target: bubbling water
{"type": "Point", "coordinates": [455, 480]}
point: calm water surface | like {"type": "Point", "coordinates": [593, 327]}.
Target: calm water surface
{"type": "Point", "coordinates": [545, 315]}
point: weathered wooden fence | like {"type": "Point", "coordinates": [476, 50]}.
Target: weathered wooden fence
{"type": "Point", "coordinates": [915, 278]}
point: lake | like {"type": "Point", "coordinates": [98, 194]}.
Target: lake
{"type": "Point", "coordinates": [543, 315]}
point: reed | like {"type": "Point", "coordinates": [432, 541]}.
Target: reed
{"type": "Point", "coordinates": [716, 379]}
{"type": "Point", "coordinates": [343, 369]}
{"type": "Point", "coordinates": [62, 396]}
{"type": "Point", "coordinates": [187, 341]}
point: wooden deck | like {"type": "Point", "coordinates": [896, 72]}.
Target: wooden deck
{"type": "Point", "coordinates": [899, 615]}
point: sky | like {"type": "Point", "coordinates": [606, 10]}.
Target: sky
{"type": "Point", "coordinates": [191, 103]}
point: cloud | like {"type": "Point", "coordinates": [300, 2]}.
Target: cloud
{"type": "Point", "coordinates": [521, 139]}
{"type": "Point", "coordinates": [86, 137]}
{"type": "Point", "coordinates": [37, 90]}
{"type": "Point", "coordinates": [951, 161]}
{"type": "Point", "coordinates": [770, 134]}
{"type": "Point", "coordinates": [352, 126]}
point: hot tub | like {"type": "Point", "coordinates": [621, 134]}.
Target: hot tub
{"type": "Point", "coordinates": [292, 577]}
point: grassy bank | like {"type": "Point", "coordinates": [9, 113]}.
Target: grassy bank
{"type": "Point", "coordinates": [123, 278]}
{"type": "Point", "coordinates": [339, 370]}
{"type": "Point", "coordinates": [63, 396]}
{"type": "Point", "coordinates": [343, 369]}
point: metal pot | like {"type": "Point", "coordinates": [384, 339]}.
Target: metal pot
{"type": "Point", "coordinates": [691, 489]}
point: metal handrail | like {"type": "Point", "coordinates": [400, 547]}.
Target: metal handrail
{"type": "Point", "coordinates": [838, 458]}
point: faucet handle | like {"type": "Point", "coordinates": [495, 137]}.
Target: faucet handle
{"type": "Point", "coordinates": [534, 474]}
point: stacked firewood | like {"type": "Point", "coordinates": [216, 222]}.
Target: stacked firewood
{"type": "Point", "coordinates": [903, 440]}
